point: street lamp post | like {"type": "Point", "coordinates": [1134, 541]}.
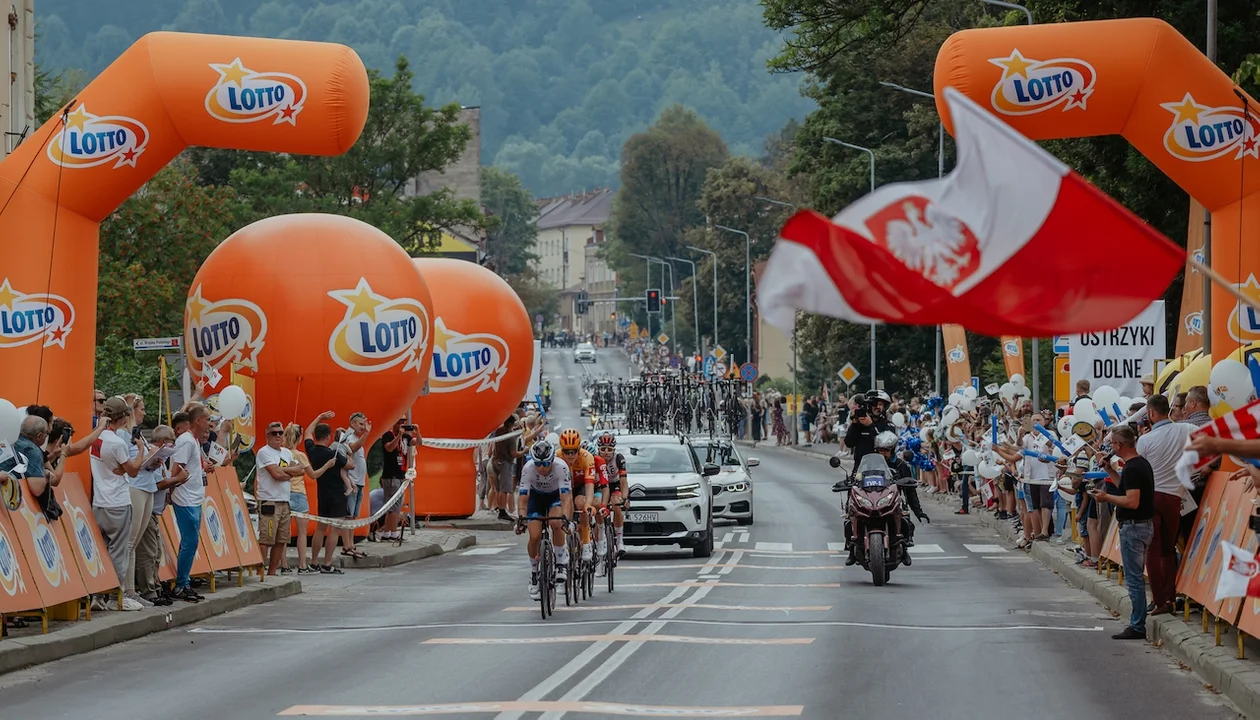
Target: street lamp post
{"type": "Point", "coordinates": [695, 310]}
{"type": "Point", "coordinates": [666, 266]}
{"type": "Point", "coordinates": [796, 410]}
{"type": "Point", "coordinates": [871, 154]}
{"type": "Point", "coordinates": [1012, 6]}
{"type": "Point", "coordinates": [747, 289]}
{"type": "Point", "coordinates": [715, 292]}
{"type": "Point", "coordinates": [940, 172]}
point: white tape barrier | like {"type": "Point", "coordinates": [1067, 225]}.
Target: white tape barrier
{"type": "Point", "coordinates": [353, 524]}
{"type": "Point", "coordinates": [451, 444]}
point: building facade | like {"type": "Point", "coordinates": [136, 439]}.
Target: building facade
{"type": "Point", "coordinates": [17, 102]}
{"type": "Point", "coordinates": [463, 178]}
{"type": "Point", "coordinates": [570, 238]}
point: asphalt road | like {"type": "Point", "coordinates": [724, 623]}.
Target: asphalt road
{"type": "Point", "coordinates": [771, 625]}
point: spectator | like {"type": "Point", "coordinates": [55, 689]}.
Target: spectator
{"type": "Point", "coordinates": [757, 419]}
{"type": "Point", "coordinates": [112, 465]}
{"type": "Point", "coordinates": [397, 442]}
{"type": "Point", "coordinates": [41, 411]}
{"type": "Point", "coordinates": [1196, 406]}
{"type": "Point", "coordinates": [809, 420]}
{"type": "Point", "coordinates": [502, 477]}
{"type": "Point", "coordinates": [26, 451]}
{"type": "Point", "coordinates": [1148, 385]}
{"type": "Point", "coordinates": [356, 469]}
{"type": "Point", "coordinates": [1177, 411]}
{"type": "Point", "coordinates": [98, 406]}
{"type": "Point", "coordinates": [276, 469]}
{"type": "Point", "coordinates": [777, 422]}
{"type": "Point", "coordinates": [1133, 493]}
{"type": "Point", "coordinates": [1162, 447]}
{"type": "Point", "coordinates": [141, 488]}
{"type": "Point", "coordinates": [1195, 411]}
{"type": "Point", "coordinates": [332, 490]}
{"type": "Point", "coordinates": [150, 548]}
{"type": "Point", "coordinates": [298, 501]}
{"type": "Point", "coordinates": [1082, 390]}
{"type": "Point", "coordinates": [186, 496]}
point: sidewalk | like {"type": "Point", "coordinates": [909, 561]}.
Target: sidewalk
{"type": "Point", "coordinates": [27, 646]}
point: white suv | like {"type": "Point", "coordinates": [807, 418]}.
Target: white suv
{"type": "Point", "coordinates": [670, 499]}
{"type": "Point", "coordinates": [584, 352]}
{"type": "Point", "coordinates": [733, 487]}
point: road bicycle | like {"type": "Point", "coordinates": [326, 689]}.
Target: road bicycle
{"type": "Point", "coordinates": [610, 543]}
{"type": "Point", "coordinates": [546, 568]}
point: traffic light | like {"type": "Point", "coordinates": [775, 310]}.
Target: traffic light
{"type": "Point", "coordinates": [582, 303]}
{"type": "Point", "coordinates": [612, 316]}
{"type": "Point", "coordinates": [654, 301]}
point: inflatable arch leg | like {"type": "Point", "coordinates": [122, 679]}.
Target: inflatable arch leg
{"type": "Point", "coordinates": [1141, 79]}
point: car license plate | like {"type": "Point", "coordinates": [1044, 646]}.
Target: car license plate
{"type": "Point", "coordinates": [644, 517]}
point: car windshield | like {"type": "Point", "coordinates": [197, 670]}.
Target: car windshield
{"type": "Point", "coordinates": [659, 459]}
{"type": "Point", "coordinates": [586, 346]}
{"type": "Point", "coordinates": [723, 455]}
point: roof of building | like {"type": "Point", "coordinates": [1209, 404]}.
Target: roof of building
{"type": "Point", "coordinates": [586, 208]}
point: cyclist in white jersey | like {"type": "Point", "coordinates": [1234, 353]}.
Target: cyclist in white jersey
{"type": "Point", "coordinates": [546, 490]}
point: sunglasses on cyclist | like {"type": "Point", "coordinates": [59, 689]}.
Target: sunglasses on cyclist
{"type": "Point", "coordinates": [543, 463]}
{"type": "Point", "coordinates": [568, 452]}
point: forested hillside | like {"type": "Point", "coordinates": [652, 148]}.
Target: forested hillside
{"type": "Point", "coordinates": [561, 83]}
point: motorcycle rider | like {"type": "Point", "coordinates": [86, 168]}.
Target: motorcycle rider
{"type": "Point", "coordinates": [886, 444]}
{"type": "Point", "coordinates": [864, 427]}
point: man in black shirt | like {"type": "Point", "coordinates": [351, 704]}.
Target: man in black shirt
{"type": "Point", "coordinates": [1133, 493]}
{"type": "Point", "coordinates": [331, 487]}
{"type": "Point", "coordinates": [860, 438]}
{"type": "Point", "coordinates": [396, 443]}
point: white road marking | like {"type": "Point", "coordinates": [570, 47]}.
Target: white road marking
{"type": "Point", "coordinates": [921, 548]}
{"type": "Point", "coordinates": [485, 550]}
{"type": "Point", "coordinates": [981, 549]}
{"type": "Point", "coordinates": [617, 638]}
{"type": "Point", "coordinates": [594, 708]}
{"type": "Point", "coordinates": [835, 547]}
{"type": "Point", "coordinates": [728, 537]}
{"type": "Point", "coordinates": [774, 547]}
{"type": "Point", "coordinates": [916, 557]}
{"type": "Point", "coordinates": [696, 606]}
{"type": "Point", "coordinates": [692, 583]}
{"type": "Point", "coordinates": [708, 577]}
{"type": "Point", "coordinates": [728, 567]}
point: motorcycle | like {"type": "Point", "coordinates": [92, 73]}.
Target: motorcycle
{"type": "Point", "coordinates": [876, 510]}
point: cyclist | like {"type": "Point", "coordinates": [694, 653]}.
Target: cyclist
{"type": "Point", "coordinates": [600, 500]}
{"type": "Point", "coordinates": [545, 491]}
{"type": "Point", "coordinates": [616, 495]}
{"type": "Point", "coordinates": [582, 470]}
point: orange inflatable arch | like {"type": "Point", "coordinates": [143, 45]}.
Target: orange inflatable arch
{"type": "Point", "coordinates": [1141, 79]}
{"type": "Point", "coordinates": [167, 92]}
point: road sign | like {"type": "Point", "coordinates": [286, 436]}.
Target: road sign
{"type": "Point", "coordinates": [663, 351]}
{"type": "Point", "coordinates": [710, 364]}
{"type": "Point", "coordinates": [675, 362]}
{"type": "Point", "coordinates": [719, 369]}
{"type": "Point", "coordinates": [748, 372]}
{"type": "Point", "coordinates": [624, 323]}
{"type": "Point", "coordinates": [167, 343]}
{"type": "Point", "coordinates": [1062, 380]}
{"type": "Point", "coordinates": [662, 338]}
{"type": "Point", "coordinates": [1061, 344]}
{"type": "Point", "coordinates": [975, 383]}
{"type": "Point", "coordinates": [848, 373]}
{"type": "Point", "coordinates": [719, 352]}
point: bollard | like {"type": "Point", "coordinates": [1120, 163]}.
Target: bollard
{"type": "Point", "coordinates": [1242, 654]}
{"type": "Point", "coordinates": [1206, 616]}
{"type": "Point", "coordinates": [1219, 623]}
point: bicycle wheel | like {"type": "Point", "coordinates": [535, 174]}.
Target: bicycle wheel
{"type": "Point", "coordinates": [574, 562]}
{"type": "Point", "coordinates": [610, 557]}
{"type": "Point", "coordinates": [546, 570]}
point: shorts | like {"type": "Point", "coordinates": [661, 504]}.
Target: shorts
{"type": "Point", "coordinates": [540, 503]}
{"type": "Point", "coordinates": [1047, 493]}
{"type": "Point", "coordinates": [299, 503]}
{"type": "Point", "coordinates": [273, 529]}
{"type": "Point", "coordinates": [1008, 482]}
{"type": "Point", "coordinates": [503, 476]}
{"type": "Point", "coordinates": [391, 486]}
{"type": "Point", "coordinates": [1032, 496]}
{"type": "Point", "coordinates": [332, 502]}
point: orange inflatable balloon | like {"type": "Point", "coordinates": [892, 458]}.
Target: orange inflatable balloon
{"type": "Point", "coordinates": [483, 354]}
{"type": "Point", "coordinates": [326, 313]}
{"type": "Point", "coordinates": [167, 92]}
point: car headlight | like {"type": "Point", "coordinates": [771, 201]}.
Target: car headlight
{"type": "Point", "coordinates": [884, 501]}
{"type": "Point", "coordinates": [688, 491]}
{"type": "Point", "coordinates": [864, 502]}
{"type": "Point", "coordinates": [737, 487]}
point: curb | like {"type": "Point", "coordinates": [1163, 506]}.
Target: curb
{"type": "Point", "coordinates": [456, 541]}
{"type": "Point", "coordinates": [1238, 680]}
{"type": "Point", "coordinates": [116, 627]}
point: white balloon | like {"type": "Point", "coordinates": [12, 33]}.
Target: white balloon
{"type": "Point", "coordinates": [1025, 393]}
{"type": "Point", "coordinates": [988, 472]}
{"type": "Point", "coordinates": [1065, 426]}
{"type": "Point", "coordinates": [1083, 411]}
{"type": "Point", "coordinates": [1105, 396]}
{"type": "Point", "coordinates": [232, 402]}
{"type": "Point", "coordinates": [969, 457]}
{"type": "Point", "coordinates": [955, 398]}
{"type": "Point", "coordinates": [950, 416]}
{"type": "Point", "coordinates": [1007, 391]}
{"type": "Point", "coordinates": [1017, 380]}
{"type": "Point", "coordinates": [1229, 386]}
{"type": "Point", "coordinates": [1124, 403]}
{"type": "Point", "coordinates": [970, 392]}
{"type": "Point", "coordinates": [898, 420]}
{"type": "Point", "coordinates": [10, 422]}
{"type": "Point", "coordinates": [923, 432]}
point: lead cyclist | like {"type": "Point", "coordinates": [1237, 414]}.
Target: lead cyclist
{"type": "Point", "coordinates": [616, 493]}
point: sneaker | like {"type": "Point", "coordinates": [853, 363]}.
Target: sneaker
{"type": "Point", "coordinates": [330, 570]}
{"type": "Point", "coordinates": [99, 604]}
{"type": "Point", "coordinates": [586, 553]}
{"type": "Point", "coordinates": [306, 571]}
{"type": "Point", "coordinates": [562, 573]}
{"type": "Point", "coordinates": [186, 594]}
{"type": "Point", "coordinates": [601, 547]}
{"type": "Point", "coordinates": [534, 592]}
{"type": "Point", "coordinates": [130, 605]}
{"type": "Point", "coordinates": [144, 602]}
{"type": "Point", "coordinates": [503, 515]}
{"type": "Point", "coordinates": [285, 569]}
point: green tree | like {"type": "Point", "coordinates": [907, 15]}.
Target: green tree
{"type": "Point", "coordinates": [512, 232]}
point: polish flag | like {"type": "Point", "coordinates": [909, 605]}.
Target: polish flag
{"type": "Point", "coordinates": [1240, 573]}
{"type": "Point", "coordinates": [1012, 242]}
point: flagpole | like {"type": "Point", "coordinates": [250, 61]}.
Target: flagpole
{"type": "Point", "coordinates": [1223, 284]}
{"type": "Point", "coordinates": [1207, 215]}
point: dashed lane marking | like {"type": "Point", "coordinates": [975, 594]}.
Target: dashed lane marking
{"type": "Point", "coordinates": [692, 583]}
{"type": "Point", "coordinates": [983, 549]}
{"type": "Point", "coordinates": [540, 706]}
{"type": "Point", "coordinates": [773, 547]}
{"type": "Point", "coordinates": [618, 638]}
{"type": "Point", "coordinates": [921, 548]}
{"type": "Point", "coordinates": [696, 606]}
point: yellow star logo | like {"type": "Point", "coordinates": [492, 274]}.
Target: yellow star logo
{"type": "Point", "coordinates": [361, 300]}
{"type": "Point", "coordinates": [7, 296]}
{"type": "Point", "coordinates": [196, 306]}
{"type": "Point", "coordinates": [232, 72]}
{"type": "Point", "coordinates": [1015, 65]}
{"type": "Point", "coordinates": [1186, 110]}
{"type": "Point", "coordinates": [441, 336]}
{"type": "Point", "coordinates": [76, 119]}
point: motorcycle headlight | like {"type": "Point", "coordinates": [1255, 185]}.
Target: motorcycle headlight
{"type": "Point", "coordinates": [737, 487]}
{"type": "Point", "coordinates": [688, 491]}
{"type": "Point", "coordinates": [864, 502]}
{"type": "Point", "coordinates": [883, 502]}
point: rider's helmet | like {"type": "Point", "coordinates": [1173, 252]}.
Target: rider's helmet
{"type": "Point", "coordinates": [606, 440]}
{"type": "Point", "coordinates": [879, 396]}
{"type": "Point", "coordinates": [542, 453]}
{"type": "Point", "coordinates": [570, 440]}
{"type": "Point", "coordinates": [886, 440]}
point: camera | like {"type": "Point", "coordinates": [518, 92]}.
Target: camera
{"type": "Point", "coordinates": [1254, 522]}
{"type": "Point", "coordinates": [409, 428]}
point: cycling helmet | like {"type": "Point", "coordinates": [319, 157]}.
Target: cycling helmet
{"type": "Point", "coordinates": [570, 440]}
{"type": "Point", "coordinates": [886, 440]}
{"type": "Point", "coordinates": [542, 453]}
{"type": "Point", "coordinates": [607, 440]}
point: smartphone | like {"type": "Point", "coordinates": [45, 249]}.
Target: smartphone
{"type": "Point", "coordinates": [65, 435]}
{"type": "Point", "coordinates": [135, 433]}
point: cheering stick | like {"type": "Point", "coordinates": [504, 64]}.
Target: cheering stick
{"type": "Point", "coordinates": [1050, 436]}
{"type": "Point", "coordinates": [1106, 418]}
{"type": "Point", "coordinates": [993, 425]}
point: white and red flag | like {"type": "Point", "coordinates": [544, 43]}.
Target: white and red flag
{"type": "Point", "coordinates": [1012, 242]}
{"type": "Point", "coordinates": [1240, 573]}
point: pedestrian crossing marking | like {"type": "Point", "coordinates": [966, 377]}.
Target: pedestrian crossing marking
{"type": "Point", "coordinates": [835, 547]}
{"type": "Point", "coordinates": [920, 549]}
{"type": "Point", "coordinates": [984, 549]}
{"type": "Point", "coordinates": [774, 546]}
